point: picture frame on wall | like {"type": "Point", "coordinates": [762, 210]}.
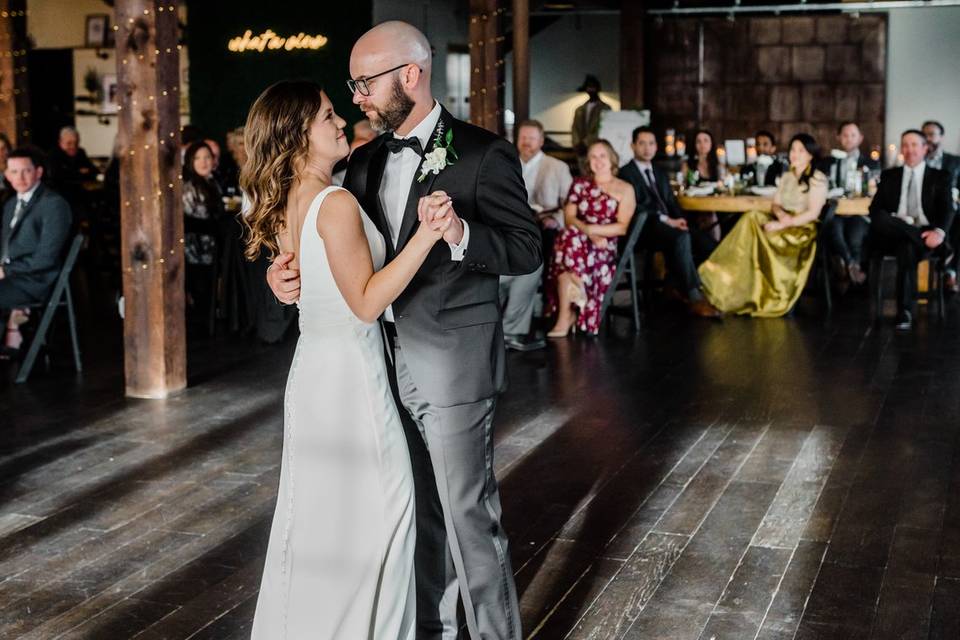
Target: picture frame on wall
{"type": "Point", "coordinates": [97, 27]}
{"type": "Point", "coordinates": [109, 93]}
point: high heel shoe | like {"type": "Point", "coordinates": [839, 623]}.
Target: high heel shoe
{"type": "Point", "coordinates": [572, 329]}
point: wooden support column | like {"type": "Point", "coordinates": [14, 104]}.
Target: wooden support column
{"type": "Point", "coordinates": [521, 62]}
{"type": "Point", "coordinates": [486, 65]}
{"type": "Point", "coordinates": [151, 211]}
{"type": "Point", "coordinates": [14, 96]}
{"type": "Point", "coordinates": [632, 55]}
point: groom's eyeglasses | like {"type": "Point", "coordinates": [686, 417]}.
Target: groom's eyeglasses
{"type": "Point", "coordinates": [360, 84]}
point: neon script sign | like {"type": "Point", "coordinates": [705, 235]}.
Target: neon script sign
{"type": "Point", "coordinates": [270, 41]}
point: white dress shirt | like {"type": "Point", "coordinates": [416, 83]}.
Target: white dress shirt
{"type": "Point", "coordinates": [917, 172]}
{"type": "Point", "coordinates": [25, 198]}
{"type": "Point", "coordinates": [398, 176]}
{"type": "Point", "coordinates": [530, 169]}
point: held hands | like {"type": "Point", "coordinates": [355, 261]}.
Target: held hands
{"type": "Point", "coordinates": [598, 241]}
{"type": "Point", "coordinates": [284, 281]}
{"type": "Point", "coordinates": [436, 211]}
{"type": "Point", "coordinates": [933, 238]}
{"type": "Point", "coordinates": [678, 223]}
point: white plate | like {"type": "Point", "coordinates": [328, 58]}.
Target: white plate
{"type": "Point", "coordinates": [766, 192]}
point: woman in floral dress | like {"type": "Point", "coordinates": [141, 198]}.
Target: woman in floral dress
{"type": "Point", "coordinates": [598, 211]}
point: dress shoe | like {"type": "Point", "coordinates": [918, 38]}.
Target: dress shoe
{"type": "Point", "coordinates": [950, 284]}
{"type": "Point", "coordinates": [857, 276]}
{"type": "Point", "coordinates": [523, 343]}
{"type": "Point", "coordinates": [703, 309]}
{"type": "Point", "coordinates": [904, 321]}
{"type": "Point", "coordinates": [839, 268]}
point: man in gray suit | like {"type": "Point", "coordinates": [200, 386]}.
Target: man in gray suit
{"type": "Point", "coordinates": [445, 329]}
{"type": "Point", "coordinates": [547, 181]}
{"type": "Point", "coordinates": [36, 226]}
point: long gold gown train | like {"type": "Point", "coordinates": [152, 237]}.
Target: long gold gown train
{"type": "Point", "coordinates": [763, 274]}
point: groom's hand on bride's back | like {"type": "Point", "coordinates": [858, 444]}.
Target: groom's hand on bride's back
{"type": "Point", "coordinates": [284, 281]}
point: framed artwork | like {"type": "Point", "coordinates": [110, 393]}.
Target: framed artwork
{"type": "Point", "coordinates": [109, 93]}
{"type": "Point", "coordinates": [97, 27]}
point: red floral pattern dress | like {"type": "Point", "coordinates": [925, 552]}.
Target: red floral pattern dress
{"type": "Point", "coordinates": [575, 252]}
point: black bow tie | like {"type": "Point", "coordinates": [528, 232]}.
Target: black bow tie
{"type": "Point", "coordinates": [396, 145]}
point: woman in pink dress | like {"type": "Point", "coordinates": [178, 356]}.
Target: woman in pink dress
{"type": "Point", "coordinates": [598, 211]}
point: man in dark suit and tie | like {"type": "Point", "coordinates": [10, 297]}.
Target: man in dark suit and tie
{"type": "Point", "coordinates": [666, 228]}
{"type": "Point", "coordinates": [910, 216]}
{"type": "Point", "coordinates": [846, 234]}
{"type": "Point", "coordinates": [950, 164]}
{"type": "Point", "coordinates": [36, 226]}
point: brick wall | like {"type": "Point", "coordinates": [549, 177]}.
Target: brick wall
{"type": "Point", "coordinates": [785, 74]}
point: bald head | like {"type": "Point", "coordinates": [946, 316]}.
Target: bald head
{"type": "Point", "coordinates": [390, 44]}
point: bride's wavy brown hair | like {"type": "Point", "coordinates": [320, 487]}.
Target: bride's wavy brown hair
{"type": "Point", "coordinates": [277, 140]}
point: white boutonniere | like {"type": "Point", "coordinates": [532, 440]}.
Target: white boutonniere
{"type": "Point", "coordinates": [442, 156]}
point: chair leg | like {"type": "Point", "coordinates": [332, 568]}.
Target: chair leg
{"type": "Point", "coordinates": [633, 293]}
{"type": "Point", "coordinates": [825, 279]}
{"type": "Point", "coordinates": [72, 321]}
{"type": "Point", "coordinates": [36, 343]}
{"type": "Point", "coordinates": [941, 301]}
{"type": "Point", "coordinates": [876, 284]}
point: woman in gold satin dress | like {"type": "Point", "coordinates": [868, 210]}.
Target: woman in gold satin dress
{"type": "Point", "coordinates": [760, 268]}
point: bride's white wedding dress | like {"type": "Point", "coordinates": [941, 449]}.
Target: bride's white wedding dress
{"type": "Point", "coordinates": [339, 562]}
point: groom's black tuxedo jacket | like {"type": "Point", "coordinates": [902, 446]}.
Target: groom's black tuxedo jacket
{"type": "Point", "coordinates": [448, 318]}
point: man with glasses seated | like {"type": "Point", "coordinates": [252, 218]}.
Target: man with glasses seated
{"type": "Point", "coordinates": [36, 227]}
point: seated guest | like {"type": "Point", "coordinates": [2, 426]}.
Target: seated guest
{"type": "Point", "coordinates": [846, 234]}
{"type": "Point", "coordinates": [909, 217]}
{"type": "Point", "coordinates": [69, 164]}
{"type": "Point", "coordinates": [665, 228]}
{"type": "Point", "coordinates": [949, 163]}
{"type": "Point", "coordinates": [6, 191]}
{"type": "Point", "coordinates": [36, 227]}
{"type": "Point", "coordinates": [760, 268]}
{"type": "Point", "coordinates": [236, 146]}
{"type": "Point", "coordinates": [548, 182]}
{"type": "Point", "coordinates": [702, 160]}
{"type": "Point", "coordinates": [202, 209]}
{"type": "Point", "coordinates": [702, 167]}
{"type": "Point", "coordinates": [768, 167]}
{"type": "Point", "coordinates": [598, 211]}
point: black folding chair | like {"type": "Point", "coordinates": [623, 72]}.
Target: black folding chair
{"type": "Point", "coordinates": [936, 274]}
{"type": "Point", "coordinates": [626, 268]}
{"type": "Point", "coordinates": [59, 297]}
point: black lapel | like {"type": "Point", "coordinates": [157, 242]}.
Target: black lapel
{"type": "Point", "coordinates": [420, 189]}
{"type": "Point", "coordinates": [375, 166]}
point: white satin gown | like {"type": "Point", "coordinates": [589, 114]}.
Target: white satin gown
{"type": "Point", "coordinates": [339, 563]}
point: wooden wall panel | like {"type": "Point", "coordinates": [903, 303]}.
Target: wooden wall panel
{"type": "Point", "coordinates": [785, 74]}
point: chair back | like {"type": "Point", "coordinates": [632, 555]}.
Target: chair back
{"type": "Point", "coordinates": [828, 212]}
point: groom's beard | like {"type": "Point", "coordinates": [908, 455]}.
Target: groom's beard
{"type": "Point", "coordinates": [397, 110]}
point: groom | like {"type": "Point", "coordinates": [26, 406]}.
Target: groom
{"type": "Point", "coordinates": [445, 329]}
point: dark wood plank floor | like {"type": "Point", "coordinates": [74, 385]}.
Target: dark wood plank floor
{"type": "Point", "coordinates": [775, 480]}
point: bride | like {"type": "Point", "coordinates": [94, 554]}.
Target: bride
{"type": "Point", "coordinates": [339, 561]}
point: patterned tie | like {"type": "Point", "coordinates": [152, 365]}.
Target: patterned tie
{"type": "Point", "coordinates": [6, 233]}
{"type": "Point", "coordinates": [913, 212]}
{"type": "Point", "coordinates": [652, 185]}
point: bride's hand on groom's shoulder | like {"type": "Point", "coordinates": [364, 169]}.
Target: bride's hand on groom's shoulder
{"type": "Point", "coordinates": [284, 281]}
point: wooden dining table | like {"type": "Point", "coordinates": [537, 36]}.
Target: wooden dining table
{"type": "Point", "coordinates": [740, 204]}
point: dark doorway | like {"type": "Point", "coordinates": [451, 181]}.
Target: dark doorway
{"type": "Point", "coordinates": [51, 94]}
